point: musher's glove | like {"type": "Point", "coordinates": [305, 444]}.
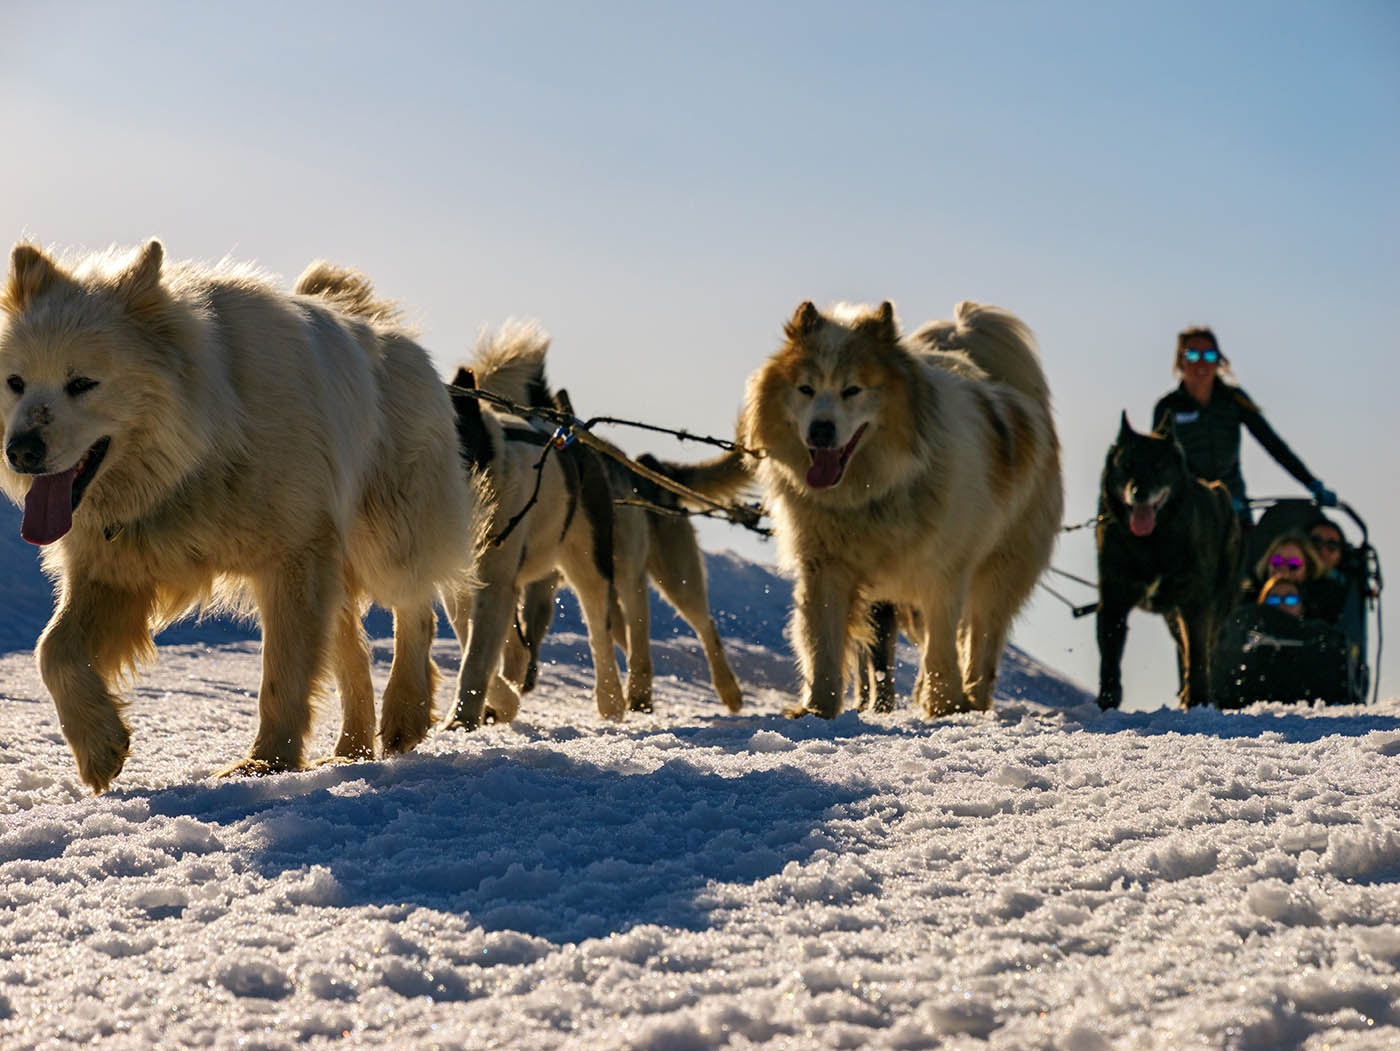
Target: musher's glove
{"type": "Point", "coordinates": [1322, 494]}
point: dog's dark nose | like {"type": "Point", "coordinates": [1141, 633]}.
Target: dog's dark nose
{"type": "Point", "coordinates": [27, 452]}
{"type": "Point", "coordinates": [821, 434]}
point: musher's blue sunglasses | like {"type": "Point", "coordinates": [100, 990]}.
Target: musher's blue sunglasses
{"type": "Point", "coordinates": [1281, 600]}
{"type": "Point", "coordinates": [1210, 357]}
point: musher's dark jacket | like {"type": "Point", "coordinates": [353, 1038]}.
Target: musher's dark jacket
{"type": "Point", "coordinates": [1210, 434]}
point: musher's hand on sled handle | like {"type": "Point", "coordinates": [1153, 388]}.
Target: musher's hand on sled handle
{"type": "Point", "coordinates": [1324, 496]}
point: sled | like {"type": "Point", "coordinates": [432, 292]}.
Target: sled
{"type": "Point", "coordinates": [1266, 655]}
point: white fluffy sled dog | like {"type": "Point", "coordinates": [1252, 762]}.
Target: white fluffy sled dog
{"type": "Point", "coordinates": [923, 472]}
{"type": "Point", "coordinates": [184, 436]}
{"type": "Point", "coordinates": [567, 528]}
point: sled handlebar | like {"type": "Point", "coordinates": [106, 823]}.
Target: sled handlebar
{"type": "Point", "coordinates": [1350, 512]}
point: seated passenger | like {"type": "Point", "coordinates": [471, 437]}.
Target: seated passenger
{"type": "Point", "coordinates": [1269, 651]}
{"type": "Point", "coordinates": [1291, 557]}
{"type": "Point", "coordinates": [1282, 594]}
{"type": "Point", "coordinates": [1327, 593]}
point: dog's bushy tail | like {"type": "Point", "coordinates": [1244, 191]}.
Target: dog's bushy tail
{"type": "Point", "coordinates": [509, 363]}
{"type": "Point", "coordinates": [721, 478]}
{"type": "Point", "coordinates": [997, 341]}
{"type": "Point", "coordinates": [350, 291]}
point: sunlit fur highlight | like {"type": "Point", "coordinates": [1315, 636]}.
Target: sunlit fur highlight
{"type": "Point", "coordinates": [949, 502]}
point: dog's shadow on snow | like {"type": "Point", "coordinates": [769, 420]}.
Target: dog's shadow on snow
{"type": "Point", "coordinates": [525, 839]}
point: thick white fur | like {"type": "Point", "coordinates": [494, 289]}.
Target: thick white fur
{"type": "Point", "coordinates": [949, 503]}
{"type": "Point", "coordinates": [292, 455]}
{"type": "Point", "coordinates": [511, 364]}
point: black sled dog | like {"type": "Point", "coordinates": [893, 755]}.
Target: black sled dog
{"type": "Point", "coordinates": [1168, 543]}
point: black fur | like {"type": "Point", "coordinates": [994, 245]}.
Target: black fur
{"type": "Point", "coordinates": [875, 678]}
{"type": "Point", "coordinates": [1184, 568]}
{"type": "Point", "coordinates": [473, 440]}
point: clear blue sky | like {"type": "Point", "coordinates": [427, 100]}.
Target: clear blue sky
{"type": "Point", "coordinates": [660, 184]}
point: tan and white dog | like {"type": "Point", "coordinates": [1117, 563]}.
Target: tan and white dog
{"type": "Point", "coordinates": [649, 547]}
{"type": "Point", "coordinates": [548, 512]}
{"type": "Point", "coordinates": [923, 472]}
{"type": "Point", "coordinates": [184, 436]}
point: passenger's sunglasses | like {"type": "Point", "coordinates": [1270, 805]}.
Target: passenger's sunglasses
{"type": "Point", "coordinates": [1279, 561]}
{"type": "Point", "coordinates": [1281, 600]}
{"type": "Point", "coordinates": [1323, 543]}
{"type": "Point", "coordinates": [1210, 357]}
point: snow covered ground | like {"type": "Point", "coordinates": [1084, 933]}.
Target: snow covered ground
{"type": "Point", "coordinates": [1042, 877]}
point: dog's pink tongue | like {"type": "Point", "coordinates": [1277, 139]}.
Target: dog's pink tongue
{"type": "Point", "coordinates": [48, 507]}
{"type": "Point", "coordinates": [826, 468]}
{"type": "Point", "coordinates": [1143, 519]}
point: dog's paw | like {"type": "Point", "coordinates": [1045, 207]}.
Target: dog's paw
{"type": "Point", "coordinates": [251, 767]}
{"type": "Point", "coordinates": [502, 702]}
{"type": "Point", "coordinates": [336, 760]}
{"type": "Point", "coordinates": [733, 700]}
{"type": "Point", "coordinates": [350, 749]}
{"type": "Point", "coordinates": [102, 758]}
{"type": "Point", "coordinates": [464, 722]}
{"type": "Point", "coordinates": [641, 704]}
{"type": "Point", "coordinates": [101, 753]}
{"type": "Point", "coordinates": [612, 706]}
{"type": "Point", "coordinates": [398, 737]}
{"type": "Point", "coordinates": [938, 705]}
{"type": "Point", "coordinates": [1110, 699]}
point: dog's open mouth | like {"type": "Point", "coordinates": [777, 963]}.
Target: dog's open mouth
{"type": "Point", "coordinates": [52, 498]}
{"type": "Point", "coordinates": [1142, 519]}
{"type": "Point", "coordinates": [828, 465]}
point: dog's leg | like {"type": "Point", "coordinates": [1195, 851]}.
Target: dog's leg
{"type": "Point", "coordinates": [95, 632]}
{"type": "Point", "coordinates": [296, 603]}
{"type": "Point", "coordinates": [1176, 627]}
{"type": "Point", "coordinates": [721, 674]}
{"type": "Point", "coordinates": [675, 563]}
{"type": "Point", "coordinates": [878, 682]}
{"type": "Point", "coordinates": [482, 618]}
{"type": "Point", "coordinates": [1199, 640]}
{"type": "Point", "coordinates": [999, 588]}
{"type": "Point", "coordinates": [940, 687]}
{"type": "Point", "coordinates": [823, 603]}
{"type": "Point", "coordinates": [635, 605]}
{"type": "Point", "coordinates": [522, 660]}
{"type": "Point", "coordinates": [413, 679]}
{"type": "Point", "coordinates": [595, 597]}
{"type": "Point", "coordinates": [1111, 627]}
{"type": "Point", "coordinates": [350, 660]}
{"type": "Point", "coordinates": [986, 641]}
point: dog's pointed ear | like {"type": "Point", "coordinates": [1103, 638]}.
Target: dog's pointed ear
{"type": "Point", "coordinates": [139, 284]}
{"type": "Point", "coordinates": [1125, 429]}
{"type": "Point", "coordinates": [881, 323]}
{"type": "Point", "coordinates": [32, 273]}
{"type": "Point", "coordinates": [563, 402]}
{"type": "Point", "coordinates": [805, 320]}
{"type": "Point", "coordinates": [1167, 428]}
{"type": "Point", "coordinates": [465, 378]}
